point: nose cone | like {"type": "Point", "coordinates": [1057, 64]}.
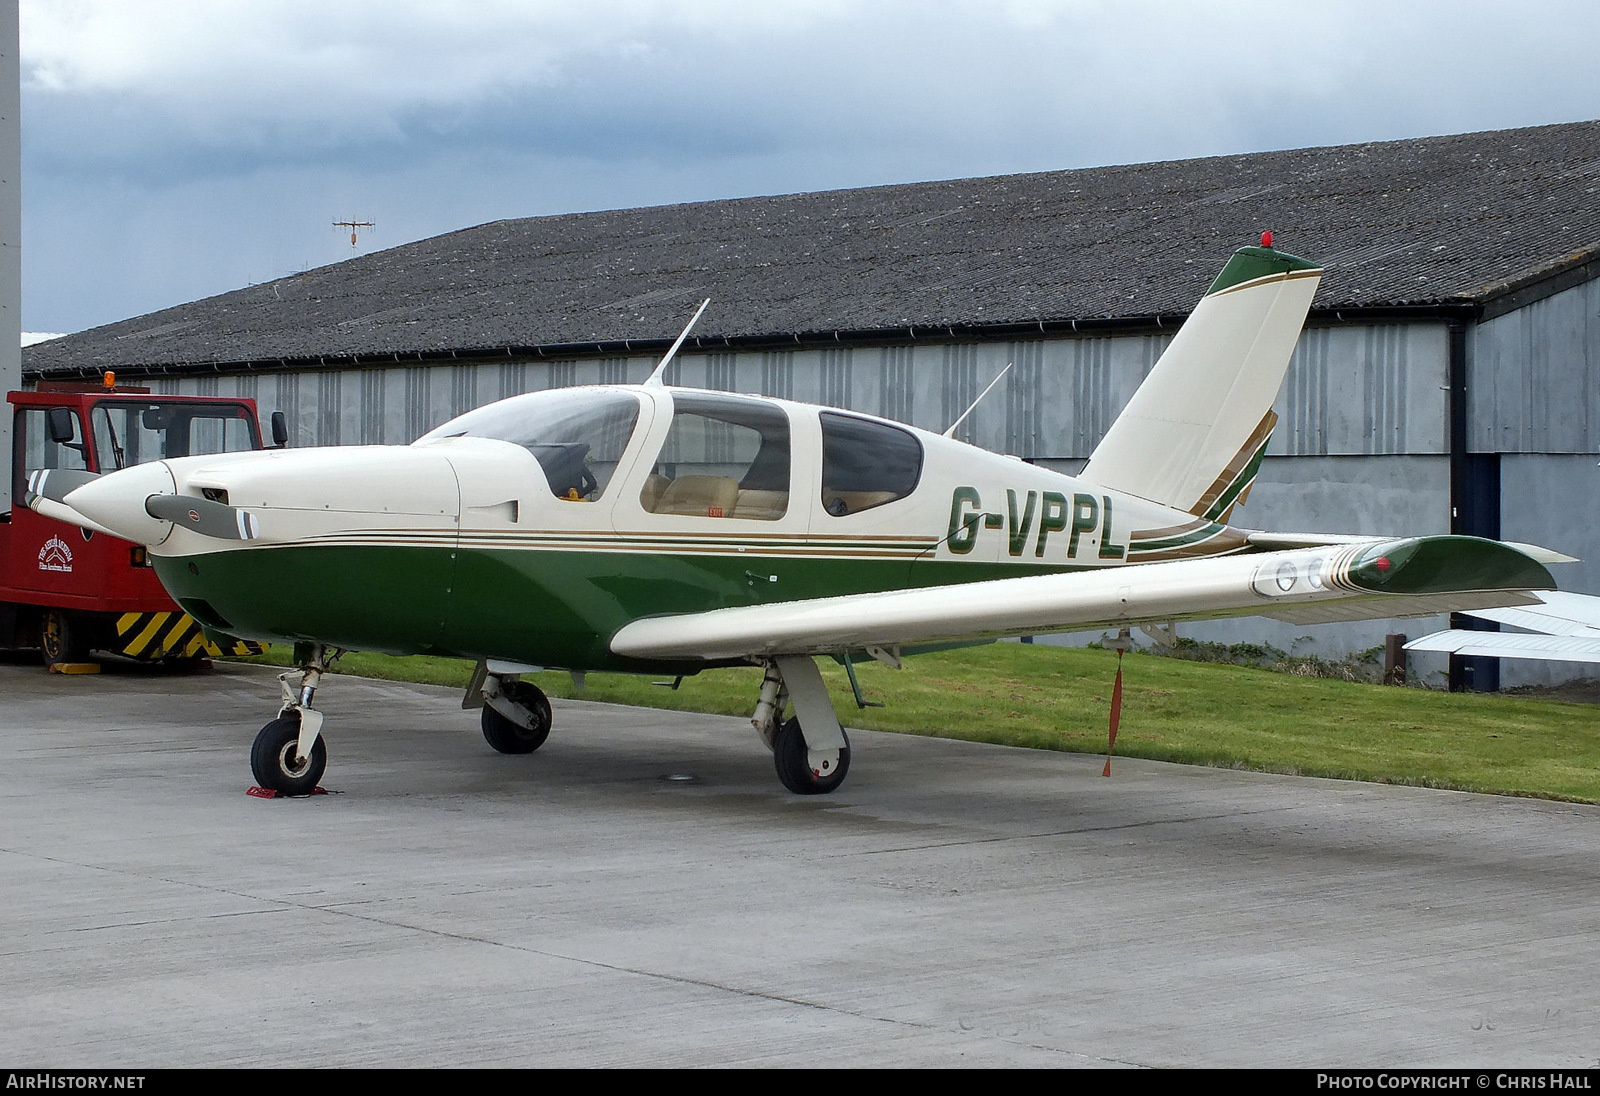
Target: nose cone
{"type": "Point", "coordinates": [116, 501]}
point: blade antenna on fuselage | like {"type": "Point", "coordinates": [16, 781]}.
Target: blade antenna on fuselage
{"type": "Point", "coordinates": [655, 378]}
{"type": "Point", "coordinates": [950, 433]}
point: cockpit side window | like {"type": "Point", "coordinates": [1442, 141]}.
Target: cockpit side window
{"type": "Point", "coordinates": [724, 457]}
{"type": "Point", "coordinates": [577, 435]}
{"type": "Point", "coordinates": [866, 463]}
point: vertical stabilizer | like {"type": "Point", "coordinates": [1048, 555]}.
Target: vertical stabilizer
{"type": "Point", "coordinates": [1193, 434]}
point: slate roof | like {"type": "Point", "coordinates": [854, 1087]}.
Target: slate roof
{"type": "Point", "coordinates": [1458, 221]}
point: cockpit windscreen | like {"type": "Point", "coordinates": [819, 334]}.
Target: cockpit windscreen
{"type": "Point", "coordinates": [577, 434]}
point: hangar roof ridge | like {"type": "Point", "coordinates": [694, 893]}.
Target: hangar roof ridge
{"type": "Point", "coordinates": [1466, 223]}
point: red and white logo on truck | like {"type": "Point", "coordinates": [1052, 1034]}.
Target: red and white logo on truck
{"type": "Point", "coordinates": [55, 556]}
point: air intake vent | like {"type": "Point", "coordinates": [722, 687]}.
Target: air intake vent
{"type": "Point", "coordinates": [203, 611]}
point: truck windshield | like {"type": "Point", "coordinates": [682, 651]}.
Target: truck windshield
{"type": "Point", "coordinates": [129, 432]}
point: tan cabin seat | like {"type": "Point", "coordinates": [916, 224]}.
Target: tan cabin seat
{"type": "Point", "coordinates": [650, 497]}
{"type": "Point", "coordinates": [761, 505]}
{"type": "Point", "coordinates": [702, 496]}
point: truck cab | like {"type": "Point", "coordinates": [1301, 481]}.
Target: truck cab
{"type": "Point", "coordinates": [68, 590]}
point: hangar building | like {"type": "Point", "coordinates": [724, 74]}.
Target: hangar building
{"type": "Point", "coordinates": [1445, 380]}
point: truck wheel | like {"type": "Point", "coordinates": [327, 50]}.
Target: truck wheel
{"type": "Point", "coordinates": [62, 637]}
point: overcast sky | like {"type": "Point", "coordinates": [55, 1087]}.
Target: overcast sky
{"type": "Point", "coordinates": [173, 149]}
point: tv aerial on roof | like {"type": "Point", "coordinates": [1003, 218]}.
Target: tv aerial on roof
{"type": "Point", "coordinates": [354, 227]}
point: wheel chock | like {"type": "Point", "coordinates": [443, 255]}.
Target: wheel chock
{"type": "Point", "coordinates": [74, 667]}
{"type": "Point", "coordinates": [270, 793]}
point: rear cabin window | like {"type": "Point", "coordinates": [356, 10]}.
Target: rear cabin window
{"type": "Point", "coordinates": [577, 434]}
{"type": "Point", "coordinates": [866, 463]}
{"type": "Point", "coordinates": [724, 457]}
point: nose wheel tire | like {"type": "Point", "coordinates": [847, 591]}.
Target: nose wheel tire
{"type": "Point", "coordinates": [510, 737]}
{"type": "Point", "coordinates": [274, 762]}
{"type": "Point", "coordinates": [790, 757]}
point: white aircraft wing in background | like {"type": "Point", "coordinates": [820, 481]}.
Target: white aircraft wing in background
{"type": "Point", "coordinates": [1565, 628]}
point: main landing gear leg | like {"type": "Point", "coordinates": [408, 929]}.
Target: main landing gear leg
{"type": "Point", "coordinates": [289, 755]}
{"type": "Point", "coordinates": [516, 714]}
{"type": "Point", "coordinates": [812, 761]}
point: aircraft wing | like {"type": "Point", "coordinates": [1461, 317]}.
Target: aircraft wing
{"type": "Point", "coordinates": [1365, 580]}
{"type": "Point", "coordinates": [1510, 645]}
{"type": "Point", "coordinates": [1568, 627]}
{"type": "Point", "coordinates": [1554, 613]}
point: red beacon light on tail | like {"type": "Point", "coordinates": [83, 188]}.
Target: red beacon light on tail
{"type": "Point", "coordinates": [1266, 238]}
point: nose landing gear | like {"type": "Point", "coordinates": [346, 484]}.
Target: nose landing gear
{"type": "Point", "coordinates": [277, 762]}
{"type": "Point", "coordinates": [289, 756]}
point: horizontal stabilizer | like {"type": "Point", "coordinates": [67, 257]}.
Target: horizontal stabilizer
{"type": "Point", "coordinates": [1278, 542]}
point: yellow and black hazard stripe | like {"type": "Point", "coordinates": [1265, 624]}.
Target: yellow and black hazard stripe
{"type": "Point", "coordinates": [171, 635]}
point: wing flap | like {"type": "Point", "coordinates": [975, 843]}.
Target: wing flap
{"type": "Point", "coordinates": [1366, 580]}
{"type": "Point", "coordinates": [1377, 607]}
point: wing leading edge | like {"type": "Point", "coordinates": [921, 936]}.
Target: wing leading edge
{"type": "Point", "coordinates": [1371, 579]}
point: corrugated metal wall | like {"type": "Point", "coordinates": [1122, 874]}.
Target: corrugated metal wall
{"type": "Point", "coordinates": [1367, 390]}
{"type": "Point", "coordinates": [1533, 386]}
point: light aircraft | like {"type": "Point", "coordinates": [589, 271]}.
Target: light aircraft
{"type": "Point", "coordinates": [663, 530]}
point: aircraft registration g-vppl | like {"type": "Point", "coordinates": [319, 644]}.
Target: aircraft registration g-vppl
{"type": "Point", "coordinates": [664, 530]}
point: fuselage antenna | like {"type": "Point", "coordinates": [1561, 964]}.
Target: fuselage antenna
{"type": "Point", "coordinates": [950, 433]}
{"type": "Point", "coordinates": [655, 378]}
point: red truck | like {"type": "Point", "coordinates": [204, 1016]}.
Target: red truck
{"type": "Point", "coordinates": [68, 590]}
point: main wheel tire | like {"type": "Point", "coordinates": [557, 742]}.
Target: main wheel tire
{"type": "Point", "coordinates": [513, 738]}
{"type": "Point", "coordinates": [272, 758]}
{"type": "Point", "coordinates": [790, 758]}
{"type": "Point", "coordinates": [63, 637]}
